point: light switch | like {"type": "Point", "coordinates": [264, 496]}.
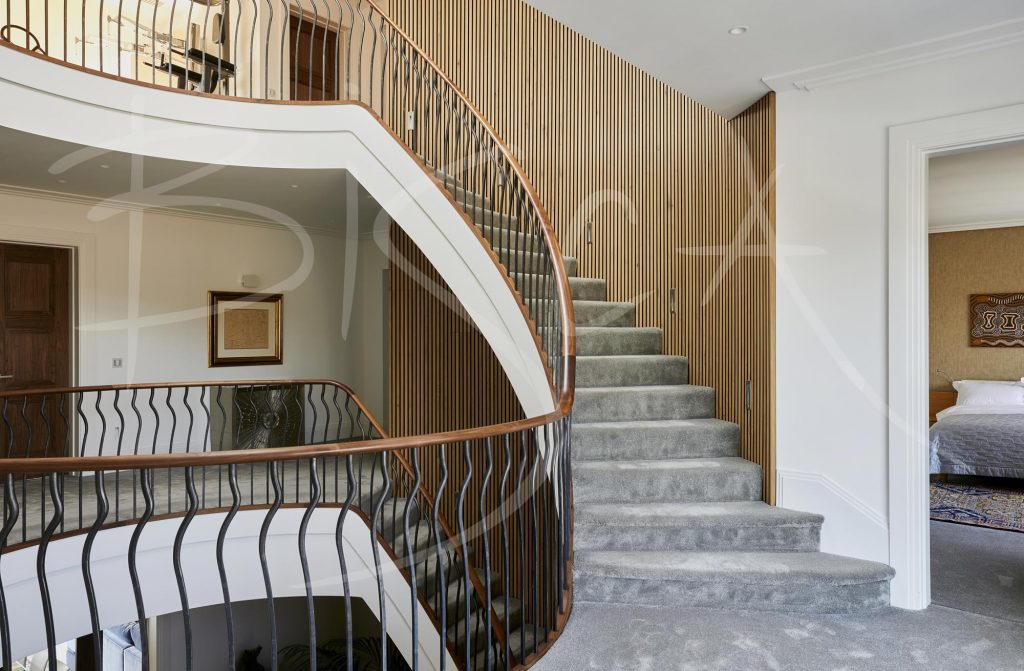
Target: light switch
{"type": "Point", "coordinates": [117, 362]}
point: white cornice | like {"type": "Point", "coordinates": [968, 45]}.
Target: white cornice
{"type": "Point", "coordinates": [974, 226]}
{"type": "Point", "coordinates": [918, 53]}
{"type": "Point", "coordinates": [127, 206]}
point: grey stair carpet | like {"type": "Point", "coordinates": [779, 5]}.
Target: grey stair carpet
{"type": "Point", "coordinates": [667, 513]}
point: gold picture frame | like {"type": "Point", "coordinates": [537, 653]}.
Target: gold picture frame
{"type": "Point", "coordinates": [245, 329]}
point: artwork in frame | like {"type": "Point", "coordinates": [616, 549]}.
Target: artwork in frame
{"type": "Point", "coordinates": [997, 320]}
{"type": "Point", "coordinates": [245, 329]}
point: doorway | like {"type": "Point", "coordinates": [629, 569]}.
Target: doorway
{"type": "Point", "coordinates": [35, 342]}
{"type": "Point", "coordinates": [911, 147]}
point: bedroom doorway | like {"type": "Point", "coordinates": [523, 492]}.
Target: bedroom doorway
{"type": "Point", "coordinates": [911, 373]}
{"type": "Point", "coordinates": [976, 363]}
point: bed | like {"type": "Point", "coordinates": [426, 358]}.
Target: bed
{"type": "Point", "coordinates": [982, 436]}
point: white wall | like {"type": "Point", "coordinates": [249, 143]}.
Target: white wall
{"type": "Point", "coordinates": [832, 327]}
{"type": "Point", "coordinates": [163, 336]}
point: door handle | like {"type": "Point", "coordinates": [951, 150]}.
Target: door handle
{"type": "Point", "coordinates": [6, 377]}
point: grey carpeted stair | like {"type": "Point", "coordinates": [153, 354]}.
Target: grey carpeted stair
{"type": "Point", "coordinates": [606, 404]}
{"type": "Point", "coordinates": [633, 370]}
{"type": "Point", "coordinates": [685, 480]}
{"type": "Point", "coordinates": [667, 513]}
{"type": "Point", "coordinates": [656, 439]}
{"type": "Point", "coordinates": [602, 340]}
{"type": "Point", "coordinates": [789, 581]}
{"type": "Point", "coordinates": [582, 288]}
{"type": "Point", "coordinates": [741, 526]}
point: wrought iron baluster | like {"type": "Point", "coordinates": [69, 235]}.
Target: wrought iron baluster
{"type": "Point", "coordinates": [314, 500]}
{"type": "Point", "coordinates": [179, 572]}
{"type": "Point", "coordinates": [133, 568]}
{"type": "Point", "coordinates": [236, 502]}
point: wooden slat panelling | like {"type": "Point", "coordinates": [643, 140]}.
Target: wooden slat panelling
{"type": "Point", "coordinates": [675, 193]}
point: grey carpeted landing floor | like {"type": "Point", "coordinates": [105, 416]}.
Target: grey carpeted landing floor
{"type": "Point", "coordinates": [974, 569]}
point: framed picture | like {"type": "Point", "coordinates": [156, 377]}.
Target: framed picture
{"type": "Point", "coordinates": [997, 320]}
{"type": "Point", "coordinates": [245, 329]}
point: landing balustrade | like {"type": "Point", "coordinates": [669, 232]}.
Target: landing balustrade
{"type": "Point", "coordinates": [478, 522]}
{"type": "Point", "coordinates": [486, 524]}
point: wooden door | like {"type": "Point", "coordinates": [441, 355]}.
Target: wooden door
{"type": "Point", "coordinates": [317, 47]}
{"type": "Point", "coordinates": [35, 347]}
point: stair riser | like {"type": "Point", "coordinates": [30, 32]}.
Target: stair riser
{"type": "Point", "coordinates": [781, 538]}
{"type": "Point", "coordinates": [607, 372]}
{"type": "Point", "coordinates": [623, 342]}
{"type": "Point", "coordinates": [709, 485]}
{"type": "Point", "coordinates": [531, 264]}
{"type": "Point", "coordinates": [801, 598]}
{"type": "Point", "coordinates": [641, 404]}
{"type": "Point", "coordinates": [591, 443]}
{"type": "Point", "coordinates": [604, 314]}
{"type": "Point", "coordinates": [581, 289]}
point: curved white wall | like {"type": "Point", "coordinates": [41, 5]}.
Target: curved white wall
{"type": "Point", "coordinates": [116, 603]}
{"type": "Point", "coordinates": [58, 102]}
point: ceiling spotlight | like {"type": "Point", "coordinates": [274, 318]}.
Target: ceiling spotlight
{"type": "Point", "coordinates": [104, 166]}
{"type": "Point", "coordinates": [62, 181]}
{"type": "Point", "coordinates": [738, 30]}
{"type": "Point", "coordinates": [295, 186]}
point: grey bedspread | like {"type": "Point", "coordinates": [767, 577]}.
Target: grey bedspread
{"type": "Point", "coordinates": [990, 445]}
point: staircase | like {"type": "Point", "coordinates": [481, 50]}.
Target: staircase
{"type": "Point", "coordinates": [667, 513]}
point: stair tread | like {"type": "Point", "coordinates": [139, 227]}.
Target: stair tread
{"type": "Point", "coordinates": [700, 514]}
{"type": "Point", "coordinates": [641, 424]}
{"type": "Point", "coordinates": [630, 358]}
{"type": "Point", "coordinates": [662, 465]}
{"type": "Point", "coordinates": [777, 568]}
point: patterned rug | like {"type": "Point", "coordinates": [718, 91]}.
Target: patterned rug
{"type": "Point", "coordinates": [992, 507]}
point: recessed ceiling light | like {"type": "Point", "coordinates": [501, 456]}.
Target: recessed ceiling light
{"type": "Point", "coordinates": [739, 30]}
{"type": "Point", "coordinates": [295, 186]}
{"type": "Point", "coordinates": [62, 181]}
{"type": "Point", "coordinates": [104, 165]}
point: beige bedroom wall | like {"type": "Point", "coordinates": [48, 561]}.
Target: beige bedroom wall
{"type": "Point", "coordinates": [961, 264]}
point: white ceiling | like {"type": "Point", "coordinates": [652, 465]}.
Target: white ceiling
{"type": "Point", "coordinates": [316, 199]}
{"type": "Point", "coordinates": [686, 43]}
{"type": "Point", "coordinates": [977, 189]}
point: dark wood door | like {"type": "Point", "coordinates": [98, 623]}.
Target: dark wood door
{"type": "Point", "coordinates": [35, 347]}
{"type": "Point", "coordinates": [314, 73]}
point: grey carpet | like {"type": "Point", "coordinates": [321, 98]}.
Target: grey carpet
{"type": "Point", "coordinates": [602, 637]}
{"type": "Point", "coordinates": [978, 570]}
{"type": "Point", "coordinates": [668, 514]}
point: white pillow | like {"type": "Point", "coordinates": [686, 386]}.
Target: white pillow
{"type": "Point", "coordinates": [982, 392]}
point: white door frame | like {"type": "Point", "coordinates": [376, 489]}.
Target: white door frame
{"type": "Point", "coordinates": [910, 148]}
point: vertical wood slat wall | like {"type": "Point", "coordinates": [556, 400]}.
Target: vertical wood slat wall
{"type": "Point", "coordinates": [677, 196]}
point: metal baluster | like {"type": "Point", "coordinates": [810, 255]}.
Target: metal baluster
{"type": "Point", "coordinates": [236, 502]}
{"type": "Point", "coordinates": [374, 529]}
{"type": "Point", "coordinates": [11, 514]}
{"type": "Point", "coordinates": [442, 584]}
{"type": "Point", "coordinates": [120, 439]}
{"type": "Point", "coordinates": [505, 549]}
{"type": "Point", "coordinates": [179, 573]}
{"type": "Point", "coordinates": [410, 559]}
{"type": "Point", "coordinates": [461, 508]}
{"type": "Point", "coordinates": [485, 617]}
{"type": "Point", "coordinates": [133, 568]}
{"type": "Point", "coordinates": [102, 508]}
{"type": "Point", "coordinates": [265, 567]}
{"type": "Point", "coordinates": [314, 499]}
{"type": "Point", "coordinates": [535, 578]}
{"type": "Point", "coordinates": [44, 544]}
{"type": "Point", "coordinates": [339, 541]}
{"type": "Point", "coordinates": [521, 540]}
